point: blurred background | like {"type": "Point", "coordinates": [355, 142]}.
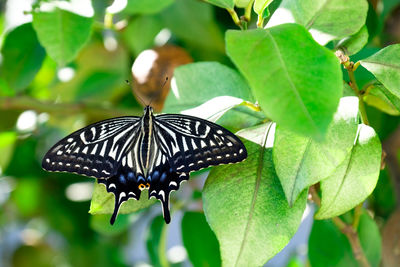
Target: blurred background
{"type": "Point", "coordinates": [44, 219]}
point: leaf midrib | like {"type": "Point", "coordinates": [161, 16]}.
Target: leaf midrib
{"type": "Point", "coordinates": [253, 201]}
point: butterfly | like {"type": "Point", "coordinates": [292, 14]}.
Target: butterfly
{"type": "Point", "coordinates": [130, 154]}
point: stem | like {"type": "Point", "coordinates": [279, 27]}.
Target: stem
{"type": "Point", "coordinates": [357, 214]}
{"type": "Point", "coordinates": [346, 229]}
{"type": "Point", "coordinates": [247, 11]}
{"type": "Point", "coordinates": [163, 247]}
{"type": "Point", "coordinates": [235, 17]}
{"type": "Point", "coordinates": [351, 67]}
{"type": "Point", "coordinates": [25, 103]}
{"type": "Point", "coordinates": [251, 106]}
{"type": "Point", "coordinates": [260, 21]}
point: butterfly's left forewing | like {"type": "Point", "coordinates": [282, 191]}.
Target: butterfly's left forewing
{"type": "Point", "coordinates": [192, 143]}
{"type": "Point", "coordinates": [95, 150]}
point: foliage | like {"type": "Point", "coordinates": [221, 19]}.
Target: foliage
{"type": "Point", "coordinates": [311, 87]}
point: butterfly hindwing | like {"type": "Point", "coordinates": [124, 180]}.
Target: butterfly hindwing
{"type": "Point", "coordinates": [192, 143]}
{"type": "Point", "coordinates": [94, 150]}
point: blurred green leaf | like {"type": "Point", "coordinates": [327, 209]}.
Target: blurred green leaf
{"type": "Point", "coordinates": [5, 89]}
{"type": "Point", "coordinates": [301, 162]}
{"type": "Point", "coordinates": [300, 91]}
{"type": "Point", "coordinates": [356, 177]}
{"type": "Point", "coordinates": [208, 80]}
{"type": "Point", "coordinates": [97, 84]}
{"type": "Point", "coordinates": [381, 98]}
{"type": "Point", "coordinates": [147, 27]}
{"type": "Point", "coordinates": [62, 33]}
{"type": "Point", "coordinates": [146, 7]}
{"type": "Point", "coordinates": [103, 202]}
{"type": "Point", "coordinates": [156, 242]}
{"type": "Point", "coordinates": [27, 195]}
{"type": "Point", "coordinates": [385, 65]}
{"type": "Point", "coordinates": [22, 57]}
{"type": "Point", "coordinates": [193, 22]}
{"type": "Point", "coordinates": [229, 4]}
{"type": "Point", "coordinates": [246, 206]}
{"type": "Point", "coordinates": [326, 20]}
{"type": "Point", "coordinates": [383, 199]}
{"type": "Point", "coordinates": [195, 234]}
{"type": "Point", "coordinates": [370, 239]}
{"type": "Point", "coordinates": [327, 246]}
{"type": "Point", "coordinates": [7, 144]}
{"type": "Point", "coordinates": [101, 224]}
{"type": "Point", "coordinates": [355, 42]}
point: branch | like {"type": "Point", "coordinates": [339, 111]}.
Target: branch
{"type": "Point", "coordinates": [346, 229]}
{"type": "Point", "coordinates": [29, 103]}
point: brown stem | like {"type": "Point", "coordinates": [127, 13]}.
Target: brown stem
{"type": "Point", "coordinates": [347, 230]}
{"type": "Point", "coordinates": [25, 103]}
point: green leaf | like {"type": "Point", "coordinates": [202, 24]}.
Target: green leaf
{"type": "Point", "coordinates": [229, 4]}
{"type": "Point", "coordinates": [140, 33]}
{"type": "Point", "coordinates": [103, 202]}
{"type": "Point", "coordinates": [7, 144]}
{"type": "Point", "coordinates": [211, 79]}
{"type": "Point", "coordinates": [325, 19]}
{"type": "Point", "coordinates": [22, 57]}
{"type": "Point", "coordinates": [381, 98]}
{"type": "Point", "coordinates": [246, 207]}
{"type": "Point", "coordinates": [97, 85]}
{"type": "Point", "coordinates": [327, 246]}
{"type": "Point", "coordinates": [300, 91]}
{"type": "Point", "coordinates": [242, 3]}
{"type": "Point", "coordinates": [196, 233]}
{"type": "Point", "coordinates": [260, 5]}
{"type": "Point", "coordinates": [156, 242]}
{"type": "Point", "coordinates": [354, 43]}
{"type": "Point", "coordinates": [301, 162]}
{"type": "Point", "coordinates": [370, 239]}
{"type": "Point", "coordinates": [193, 22]}
{"type": "Point", "coordinates": [385, 65]}
{"type": "Point", "coordinates": [355, 179]}
{"type": "Point", "coordinates": [146, 7]}
{"type": "Point", "coordinates": [62, 33]}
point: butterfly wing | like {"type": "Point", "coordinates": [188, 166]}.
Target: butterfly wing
{"type": "Point", "coordinates": [192, 143]}
{"type": "Point", "coordinates": [95, 150]}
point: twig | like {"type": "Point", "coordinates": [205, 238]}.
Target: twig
{"type": "Point", "coordinates": [28, 103]}
{"type": "Point", "coordinates": [235, 17]}
{"type": "Point", "coordinates": [347, 230]}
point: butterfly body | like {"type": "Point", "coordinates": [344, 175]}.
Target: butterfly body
{"type": "Point", "coordinates": [156, 153]}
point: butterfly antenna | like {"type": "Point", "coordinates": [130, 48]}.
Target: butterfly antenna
{"type": "Point", "coordinates": [141, 100]}
{"type": "Point", "coordinates": [166, 80]}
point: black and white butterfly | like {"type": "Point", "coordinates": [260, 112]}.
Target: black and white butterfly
{"type": "Point", "coordinates": [130, 154]}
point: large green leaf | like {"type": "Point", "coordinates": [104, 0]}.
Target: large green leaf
{"type": "Point", "coordinates": [325, 19]}
{"type": "Point", "coordinates": [355, 178]}
{"type": "Point", "coordinates": [246, 206]}
{"type": "Point", "coordinates": [196, 83]}
{"type": "Point", "coordinates": [229, 4]}
{"type": "Point", "coordinates": [300, 161]}
{"type": "Point", "coordinates": [243, 3]}
{"type": "Point", "coordinates": [381, 98]}
{"type": "Point", "coordinates": [62, 33]}
{"type": "Point", "coordinates": [196, 233]}
{"type": "Point", "coordinates": [147, 6]}
{"type": "Point", "coordinates": [300, 91]}
{"type": "Point", "coordinates": [385, 65]}
{"type": "Point", "coordinates": [103, 202]}
{"type": "Point", "coordinates": [22, 57]}
{"type": "Point", "coordinates": [329, 247]}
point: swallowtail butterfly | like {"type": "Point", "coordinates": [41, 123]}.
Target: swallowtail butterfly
{"type": "Point", "coordinates": [157, 153]}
